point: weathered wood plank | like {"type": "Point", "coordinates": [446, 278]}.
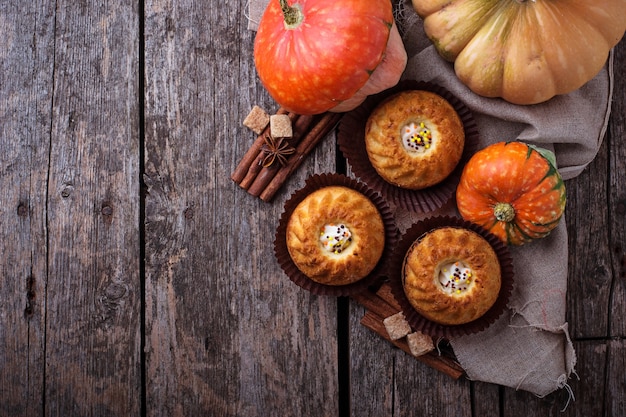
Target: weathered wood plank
{"type": "Point", "coordinates": [486, 399]}
{"type": "Point", "coordinates": [615, 383]}
{"type": "Point", "coordinates": [26, 69]}
{"type": "Point", "coordinates": [589, 275]}
{"type": "Point", "coordinates": [597, 236]}
{"type": "Point", "coordinates": [372, 370]}
{"type": "Point", "coordinates": [439, 395]}
{"type": "Point", "coordinates": [388, 381]}
{"type": "Point", "coordinates": [226, 332]}
{"type": "Point", "coordinates": [93, 290]}
{"type": "Point", "coordinates": [617, 196]}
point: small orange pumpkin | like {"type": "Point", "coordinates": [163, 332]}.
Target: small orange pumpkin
{"type": "Point", "coordinates": [513, 190]}
{"type": "Point", "coordinates": [314, 56]}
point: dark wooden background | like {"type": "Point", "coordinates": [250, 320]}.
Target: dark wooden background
{"type": "Point", "coordinates": [138, 280]}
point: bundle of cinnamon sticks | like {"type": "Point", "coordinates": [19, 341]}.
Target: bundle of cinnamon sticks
{"type": "Point", "coordinates": [264, 181]}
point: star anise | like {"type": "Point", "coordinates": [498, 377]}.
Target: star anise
{"type": "Point", "coordinates": [276, 149]}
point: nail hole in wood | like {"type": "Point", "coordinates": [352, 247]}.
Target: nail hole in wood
{"type": "Point", "coordinates": [22, 210]}
{"type": "Point", "coordinates": [106, 210]}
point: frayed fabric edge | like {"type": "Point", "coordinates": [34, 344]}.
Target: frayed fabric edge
{"type": "Point", "coordinates": [569, 358]}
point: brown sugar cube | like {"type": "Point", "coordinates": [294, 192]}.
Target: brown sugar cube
{"type": "Point", "coordinates": [257, 120]}
{"type": "Point", "coordinates": [397, 327]}
{"type": "Point", "coordinates": [419, 343]}
{"type": "Point", "coordinates": [280, 126]}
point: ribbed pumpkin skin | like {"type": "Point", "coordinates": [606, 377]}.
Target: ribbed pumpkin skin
{"type": "Point", "coordinates": [516, 174]}
{"type": "Point", "coordinates": [524, 51]}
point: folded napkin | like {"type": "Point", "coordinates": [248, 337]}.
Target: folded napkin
{"type": "Point", "coordinates": [529, 347]}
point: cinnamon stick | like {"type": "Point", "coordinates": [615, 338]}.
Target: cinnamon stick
{"type": "Point", "coordinates": [441, 363]}
{"type": "Point", "coordinates": [262, 178]}
{"type": "Point", "coordinates": [382, 304]}
{"type": "Point", "coordinates": [255, 166]}
{"type": "Point", "coordinates": [375, 304]}
{"type": "Point", "coordinates": [302, 125]}
{"type": "Point", "coordinates": [385, 293]}
{"type": "Point", "coordinates": [264, 175]}
{"type": "Point", "coordinates": [253, 170]}
{"type": "Point", "coordinates": [326, 123]}
{"type": "Point", "coordinates": [251, 155]}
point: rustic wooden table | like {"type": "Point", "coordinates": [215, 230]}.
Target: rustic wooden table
{"type": "Point", "coordinates": [138, 279]}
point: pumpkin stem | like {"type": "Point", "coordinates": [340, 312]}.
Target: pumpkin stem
{"type": "Point", "coordinates": [504, 212]}
{"type": "Point", "coordinates": [292, 14]}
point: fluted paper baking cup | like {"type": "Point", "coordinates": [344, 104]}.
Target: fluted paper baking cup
{"type": "Point", "coordinates": [281, 252]}
{"type": "Point", "coordinates": [351, 139]}
{"type": "Point", "coordinates": [421, 323]}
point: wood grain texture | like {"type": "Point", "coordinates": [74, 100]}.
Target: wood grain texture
{"type": "Point", "coordinates": [93, 289]}
{"type": "Point", "coordinates": [617, 197]}
{"type": "Point", "coordinates": [590, 272]}
{"type": "Point", "coordinates": [226, 332]}
{"type": "Point", "coordinates": [486, 399]}
{"type": "Point", "coordinates": [596, 221]}
{"type": "Point", "coordinates": [615, 383]}
{"type": "Point", "coordinates": [388, 381]}
{"type": "Point", "coordinates": [372, 369]}
{"type": "Point", "coordinates": [439, 395]}
{"type": "Point", "coordinates": [26, 71]}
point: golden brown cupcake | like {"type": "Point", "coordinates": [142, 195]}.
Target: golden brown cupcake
{"type": "Point", "coordinates": [451, 276]}
{"type": "Point", "coordinates": [414, 139]}
{"type": "Point", "coordinates": [335, 236]}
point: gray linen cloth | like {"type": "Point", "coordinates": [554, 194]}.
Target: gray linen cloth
{"type": "Point", "coordinates": [529, 347]}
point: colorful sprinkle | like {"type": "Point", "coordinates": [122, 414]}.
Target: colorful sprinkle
{"type": "Point", "coordinates": [455, 277]}
{"type": "Point", "coordinates": [335, 238]}
{"type": "Point", "coordinates": [417, 137]}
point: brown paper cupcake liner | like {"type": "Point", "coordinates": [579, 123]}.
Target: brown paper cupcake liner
{"type": "Point", "coordinates": [314, 183]}
{"type": "Point", "coordinates": [426, 326]}
{"type": "Point", "coordinates": [351, 140]}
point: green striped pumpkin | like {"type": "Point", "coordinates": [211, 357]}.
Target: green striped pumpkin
{"type": "Point", "coordinates": [513, 190]}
